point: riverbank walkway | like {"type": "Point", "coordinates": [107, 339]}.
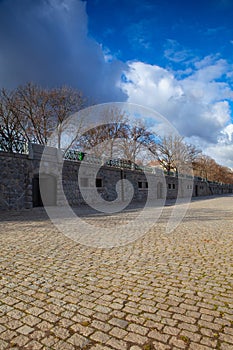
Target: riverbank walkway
{"type": "Point", "coordinates": [163, 291]}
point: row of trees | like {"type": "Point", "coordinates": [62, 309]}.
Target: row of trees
{"type": "Point", "coordinates": [207, 168]}
{"type": "Point", "coordinates": [31, 114]}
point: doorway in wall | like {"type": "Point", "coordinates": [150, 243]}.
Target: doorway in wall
{"type": "Point", "coordinates": [196, 190]}
{"type": "Point", "coordinates": [47, 184]}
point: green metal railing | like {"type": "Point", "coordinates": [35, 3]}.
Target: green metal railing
{"type": "Point", "coordinates": [17, 146]}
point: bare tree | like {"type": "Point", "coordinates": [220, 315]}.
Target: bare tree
{"type": "Point", "coordinates": [38, 112]}
{"type": "Point", "coordinates": [136, 141]}
{"type": "Point", "coordinates": [207, 168]}
{"type": "Point", "coordinates": [165, 153]}
{"type": "Point", "coordinates": [11, 135]}
{"type": "Point", "coordinates": [204, 167]}
{"type": "Point", "coordinates": [31, 107]}
{"type": "Point", "coordinates": [227, 175]}
{"type": "Point", "coordinates": [103, 139]}
{"type": "Point", "coordinates": [95, 141]}
{"type": "Point", "coordinates": [173, 154]}
{"type": "Point", "coordinates": [117, 120]}
{"type": "Point", "coordinates": [64, 102]}
{"type": "Point", "coordinates": [117, 137]}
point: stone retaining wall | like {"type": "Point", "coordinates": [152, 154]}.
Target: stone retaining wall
{"type": "Point", "coordinates": [15, 181]}
{"type": "Point", "coordinates": [19, 182]}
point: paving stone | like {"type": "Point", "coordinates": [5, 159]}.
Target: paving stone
{"type": "Point", "coordinates": [3, 344]}
{"type": "Point", "coordinates": [20, 340]}
{"type": "Point", "coordinates": [117, 344]}
{"type": "Point", "coordinates": [118, 322]}
{"type": "Point", "coordinates": [135, 338]}
{"type": "Point", "coordinates": [206, 317]}
{"type": "Point", "coordinates": [31, 320]}
{"type": "Point", "coordinates": [188, 327]}
{"type": "Point", "coordinates": [151, 325]}
{"type": "Point", "coordinates": [33, 345]}
{"type": "Point", "coordinates": [209, 325]}
{"type": "Point", "coordinates": [208, 332]}
{"type": "Point", "coordinates": [137, 329]}
{"type": "Point", "coordinates": [8, 335]}
{"type": "Point", "coordinates": [17, 314]}
{"type": "Point", "coordinates": [102, 317]}
{"type": "Point", "coordinates": [2, 328]}
{"type": "Point", "coordinates": [212, 343]}
{"type": "Point", "coordinates": [60, 332]}
{"type": "Point", "coordinates": [25, 330]}
{"type": "Point", "coordinates": [100, 337]}
{"type": "Point", "coordinates": [189, 336]}
{"type": "Point", "coordinates": [118, 332]}
{"type": "Point", "coordinates": [177, 342]}
{"type": "Point", "coordinates": [228, 330]}
{"type": "Point", "coordinates": [49, 317]}
{"type": "Point", "coordinates": [78, 340]}
{"type": "Point", "coordinates": [184, 318]}
{"type": "Point", "coordinates": [159, 336]}
{"type": "Point", "coordinates": [44, 326]}
{"type": "Point", "coordinates": [171, 330]}
{"type": "Point", "coordinates": [100, 347]}
{"type": "Point", "coordinates": [195, 346]}
{"type": "Point", "coordinates": [101, 326]}
{"type": "Point", "coordinates": [161, 346]}
{"type": "Point", "coordinates": [226, 338]}
{"type": "Point", "coordinates": [225, 346]}
{"type": "Point", "coordinates": [49, 341]}
{"type": "Point", "coordinates": [103, 309]}
{"type": "Point", "coordinates": [168, 291]}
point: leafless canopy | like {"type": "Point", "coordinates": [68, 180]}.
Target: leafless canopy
{"type": "Point", "coordinates": [31, 113]}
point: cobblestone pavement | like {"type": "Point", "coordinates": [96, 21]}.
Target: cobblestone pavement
{"type": "Point", "coordinates": [164, 291]}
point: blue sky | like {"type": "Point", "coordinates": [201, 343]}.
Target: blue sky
{"type": "Point", "coordinates": [181, 51]}
{"type": "Point", "coordinates": [175, 57]}
{"type": "Point", "coordinates": [163, 32]}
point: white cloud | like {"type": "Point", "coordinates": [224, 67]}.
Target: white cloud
{"type": "Point", "coordinates": [151, 86]}
{"type": "Point", "coordinates": [222, 154]}
{"type": "Point", "coordinates": [197, 105]}
{"type": "Point", "coordinates": [227, 133]}
{"type": "Point", "coordinates": [210, 72]}
{"type": "Point", "coordinates": [176, 53]}
{"type": "Point", "coordinates": [223, 150]}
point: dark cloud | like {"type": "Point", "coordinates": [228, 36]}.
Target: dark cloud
{"type": "Point", "coordinates": [47, 42]}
